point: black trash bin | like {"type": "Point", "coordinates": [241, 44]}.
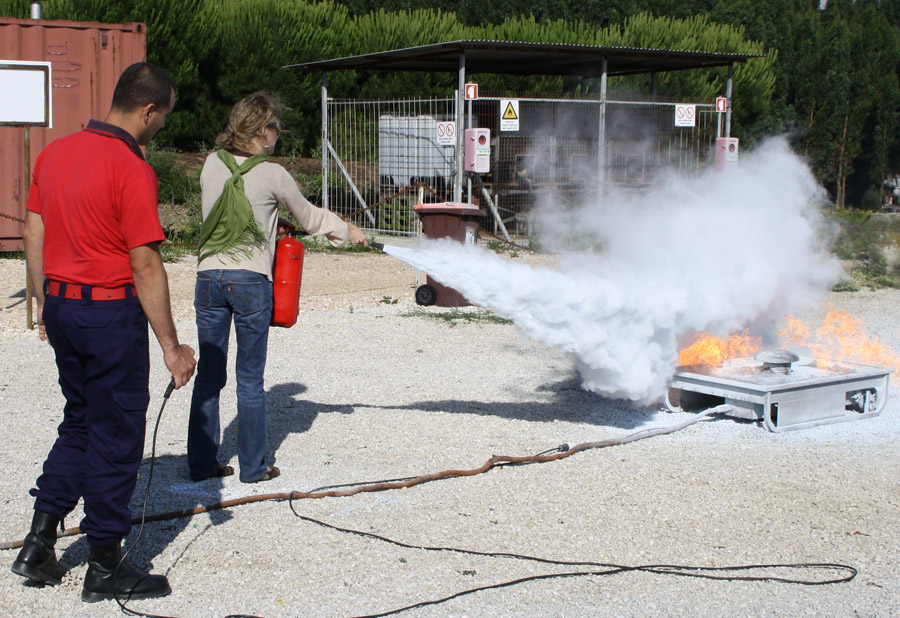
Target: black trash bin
{"type": "Point", "coordinates": [447, 220]}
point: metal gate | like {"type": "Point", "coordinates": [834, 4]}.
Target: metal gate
{"type": "Point", "coordinates": [382, 157]}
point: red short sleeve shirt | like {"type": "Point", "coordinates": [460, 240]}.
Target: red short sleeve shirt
{"type": "Point", "coordinates": [97, 198]}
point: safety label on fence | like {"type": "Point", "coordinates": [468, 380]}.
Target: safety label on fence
{"type": "Point", "coordinates": [685, 115]}
{"type": "Point", "coordinates": [446, 133]}
{"type": "Point", "coordinates": [509, 114]}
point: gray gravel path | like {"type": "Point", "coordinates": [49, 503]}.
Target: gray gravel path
{"type": "Point", "coordinates": [401, 392]}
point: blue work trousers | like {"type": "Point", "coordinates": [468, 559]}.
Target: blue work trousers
{"type": "Point", "coordinates": [103, 357]}
{"type": "Point", "coordinates": [245, 297]}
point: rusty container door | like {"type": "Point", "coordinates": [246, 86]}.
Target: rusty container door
{"type": "Point", "coordinates": [86, 61]}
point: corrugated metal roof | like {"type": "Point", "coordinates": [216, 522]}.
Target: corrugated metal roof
{"type": "Point", "coordinates": [523, 58]}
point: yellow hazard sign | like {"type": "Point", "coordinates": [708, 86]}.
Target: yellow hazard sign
{"type": "Point", "coordinates": [509, 114]}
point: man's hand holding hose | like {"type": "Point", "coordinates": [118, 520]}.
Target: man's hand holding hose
{"type": "Point", "coordinates": [181, 363]}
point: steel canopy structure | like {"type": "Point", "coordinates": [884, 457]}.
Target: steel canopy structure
{"type": "Point", "coordinates": [522, 58]}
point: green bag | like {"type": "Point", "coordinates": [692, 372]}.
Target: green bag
{"type": "Point", "coordinates": [231, 229]}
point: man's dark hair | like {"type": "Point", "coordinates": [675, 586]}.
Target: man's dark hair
{"type": "Point", "coordinates": [140, 84]}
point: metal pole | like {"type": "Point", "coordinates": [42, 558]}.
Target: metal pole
{"type": "Point", "coordinates": [460, 93]}
{"type": "Point", "coordinates": [325, 141]}
{"type": "Point", "coordinates": [494, 211]}
{"type": "Point", "coordinates": [29, 292]}
{"type": "Point", "coordinates": [728, 88]}
{"type": "Point", "coordinates": [468, 126]}
{"type": "Point", "coordinates": [420, 198]}
{"type": "Point", "coordinates": [601, 133]}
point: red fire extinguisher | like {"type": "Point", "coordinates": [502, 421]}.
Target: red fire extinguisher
{"type": "Point", "coordinates": [286, 275]}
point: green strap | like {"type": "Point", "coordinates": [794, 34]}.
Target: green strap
{"type": "Point", "coordinates": [230, 228]}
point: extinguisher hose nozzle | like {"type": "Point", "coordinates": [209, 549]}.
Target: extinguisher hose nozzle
{"type": "Point", "coordinates": [377, 245]}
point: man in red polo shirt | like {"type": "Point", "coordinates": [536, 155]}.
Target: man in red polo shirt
{"type": "Point", "coordinates": [92, 236]}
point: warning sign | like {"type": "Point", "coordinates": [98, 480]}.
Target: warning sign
{"type": "Point", "coordinates": [509, 114]}
{"type": "Point", "coordinates": [685, 115]}
{"type": "Point", "coordinates": [446, 133]}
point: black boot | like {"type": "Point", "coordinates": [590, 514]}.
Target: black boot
{"type": "Point", "coordinates": [37, 559]}
{"type": "Point", "coordinates": [106, 578]}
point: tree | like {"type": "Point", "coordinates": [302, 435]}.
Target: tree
{"type": "Point", "coordinates": [754, 81]}
{"type": "Point", "coordinates": [253, 39]}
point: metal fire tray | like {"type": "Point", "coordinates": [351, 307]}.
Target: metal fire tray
{"type": "Point", "coordinates": [802, 395]}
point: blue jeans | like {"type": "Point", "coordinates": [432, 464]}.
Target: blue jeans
{"type": "Point", "coordinates": [219, 296]}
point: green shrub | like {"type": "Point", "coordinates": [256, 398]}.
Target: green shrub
{"type": "Point", "coordinates": [845, 285]}
{"type": "Point", "coordinates": [177, 184]}
{"type": "Point", "coordinates": [852, 242]}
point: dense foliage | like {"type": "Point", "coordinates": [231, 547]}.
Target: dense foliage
{"type": "Point", "coordinates": [829, 77]}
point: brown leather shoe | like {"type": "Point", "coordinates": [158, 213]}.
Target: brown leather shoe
{"type": "Point", "coordinates": [271, 473]}
{"type": "Point", "coordinates": [219, 473]}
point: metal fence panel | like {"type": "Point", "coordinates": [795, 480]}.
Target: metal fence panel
{"type": "Point", "coordinates": [382, 157]}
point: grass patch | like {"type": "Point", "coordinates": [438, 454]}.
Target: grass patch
{"type": "Point", "coordinates": [503, 248]}
{"type": "Point", "coordinates": [175, 249]}
{"type": "Point", "coordinates": [845, 285]}
{"type": "Point", "coordinates": [454, 316]}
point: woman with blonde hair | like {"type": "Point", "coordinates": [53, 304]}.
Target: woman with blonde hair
{"type": "Point", "coordinates": [240, 194]}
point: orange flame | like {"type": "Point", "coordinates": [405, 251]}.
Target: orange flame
{"type": "Point", "coordinates": [840, 337]}
{"type": "Point", "coordinates": [709, 350]}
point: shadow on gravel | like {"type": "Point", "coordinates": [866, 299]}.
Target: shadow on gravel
{"type": "Point", "coordinates": [288, 413]}
{"type": "Point", "coordinates": [172, 489]}
{"type": "Point", "coordinates": [570, 403]}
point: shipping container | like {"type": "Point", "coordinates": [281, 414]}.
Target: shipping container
{"type": "Point", "coordinates": [86, 60]}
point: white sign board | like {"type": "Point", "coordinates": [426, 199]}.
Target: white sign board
{"type": "Point", "coordinates": [509, 114]}
{"type": "Point", "coordinates": [446, 133]}
{"type": "Point", "coordinates": [27, 95]}
{"type": "Point", "coordinates": [685, 115]}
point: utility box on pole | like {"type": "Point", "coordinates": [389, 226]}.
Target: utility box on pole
{"type": "Point", "coordinates": [727, 154]}
{"type": "Point", "coordinates": [478, 151]}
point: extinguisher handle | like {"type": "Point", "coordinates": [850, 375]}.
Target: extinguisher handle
{"type": "Point", "coordinates": [296, 233]}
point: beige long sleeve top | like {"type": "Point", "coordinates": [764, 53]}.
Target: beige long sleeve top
{"type": "Point", "coordinates": [267, 185]}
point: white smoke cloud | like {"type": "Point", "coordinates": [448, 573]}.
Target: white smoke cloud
{"type": "Point", "coordinates": [715, 253]}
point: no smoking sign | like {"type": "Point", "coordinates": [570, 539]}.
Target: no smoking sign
{"type": "Point", "coordinates": [685, 115]}
{"type": "Point", "coordinates": [446, 133]}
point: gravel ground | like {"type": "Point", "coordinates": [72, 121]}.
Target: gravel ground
{"type": "Point", "coordinates": [368, 386]}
